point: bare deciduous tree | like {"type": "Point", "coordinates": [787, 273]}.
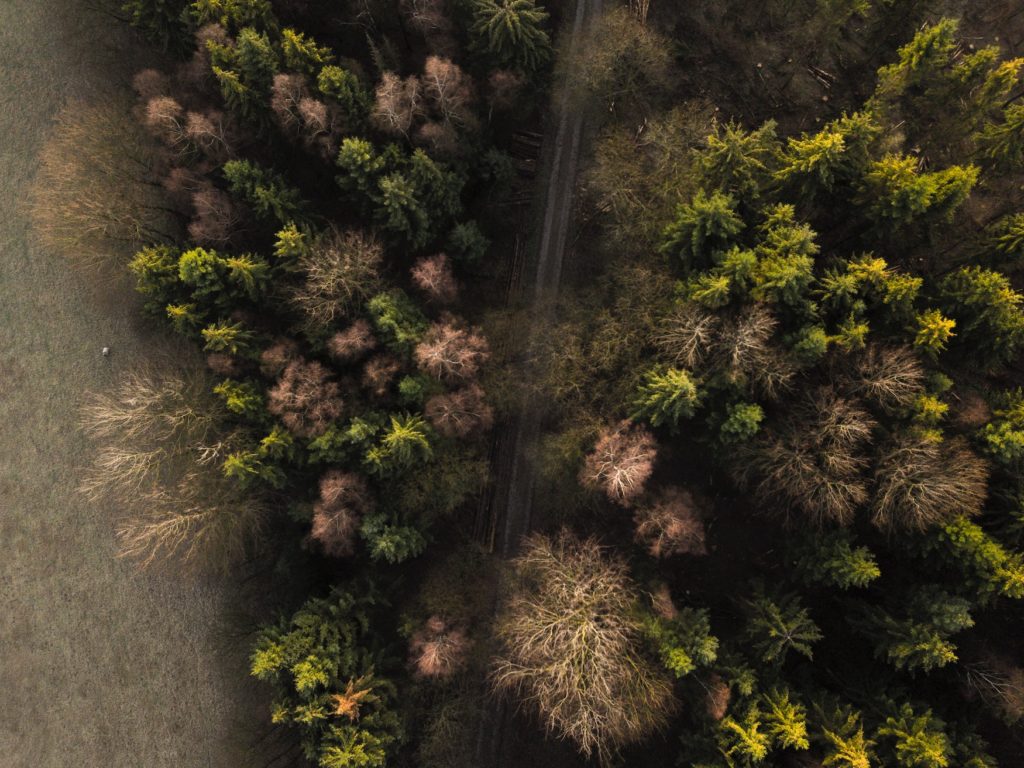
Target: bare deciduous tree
{"type": "Point", "coordinates": [397, 104]}
{"type": "Point", "coordinates": [217, 218]}
{"type": "Point", "coordinates": [341, 270]}
{"type": "Point", "coordinates": [438, 649]}
{"type": "Point", "coordinates": [814, 461]}
{"type": "Point", "coordinates": [672, 525]}
{"type": "Point", "coordinates": [621, 462]}
{"type": "Point", "coordinates": [452, 352]}
{"type": "Point", "coordinates": [449, 92]}
{"type": "Point", "coordinates": [165, 119]}
{"type": "Point", "coordinates": [461, 413]}
{"type": "Point", "coordinates": [570, 647]}
{"type": "Point", "coordinates": [344, 500]}
{"type": "Point", "coordinates": [211, 134]}
{"type": "Point", "coordinates": [353, 342]}
{"type": "Point", "coordinates": [275, 358]}
{"type": "Point", "coordinates": [379, 373]}
{"type": "Point", "coordinates": [433, 275]}
{"type": "Point", "coordinates": [305, 398]}
{"type": "Point", "coordinates": [890, 377]}
{"type": "Point", "coordinates": [148, 83]}
{"type": "Point", "coordinates": [920, 483]}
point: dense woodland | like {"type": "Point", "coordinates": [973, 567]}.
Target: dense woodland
{"type": "Point", "coordinates": [780, 502]}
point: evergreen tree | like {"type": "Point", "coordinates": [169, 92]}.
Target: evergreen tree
{"type": "Point", "coordinates": [991, 569]}
{"type": "Point", "coordinates": [1003, 436]}
{"type": "Point", "coordinates": [265, 191]}
{"type": "Point", "coordinates": [918, 740]}
{"type": "Point", "coordinates": [302, 53]}
{"type": "Point", "coordinates": [322, 669]}
{"type": "Point", "coordinates": [233, 14]}
{"type": "Point", "coordinates": [225, 336]}
{"type": "Point", "coordinates": [839, 153]}
{"type": "Point", "coordinates": [987, 312]}
{"type": "Point", "coordinates": [897, 193]}
{"type": "Point", "coordinates": [742, 421]}
{"type": "Point", "coordinates": [739, 162]}
{"type": "Point", "coordinates": [666, 395]}
{"type": "Point", "coordinates": [919, 639]}
{"type": "Point", "coordinates": [832, 560]}
{"type": "Point", "coordinates": [245, 69]}
{"type": "Point", "coordinates": [684, 642]}
{"type": "Point", "coordinates": [160, 21]}
{"type": "Point", "coordinates": [785, 719]}
{"type": "Point", "coordinates": [934, 330]}
{"type": "Point", "coordinates": [511, 33]}
{"type": "Point", "coordinates": [1002, 144]}
{"type": "Point", "coordinates": [703, 227]}
{"type": "Point", "coordinates": [397, 319]}
{"type": "Point", "coordinates": [403, 443]}
{"type": "Point", "coordinates": [777, 625]}
{"type": "Point", "coordinates": [742, 742]}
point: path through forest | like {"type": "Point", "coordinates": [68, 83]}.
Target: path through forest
{"type": "Point", "coordinates": [513, 470]}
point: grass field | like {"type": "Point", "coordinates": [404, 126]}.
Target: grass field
{"type": "Point", "coordinates": [99, 666]}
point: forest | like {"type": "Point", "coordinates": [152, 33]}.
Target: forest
{"type": "Point", "coordinates": [776, 487]}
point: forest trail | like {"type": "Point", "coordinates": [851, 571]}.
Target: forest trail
{"type": "Point", "coordinates": [102, 667]}
{"type": "Point", "coordinates": [514, 472]}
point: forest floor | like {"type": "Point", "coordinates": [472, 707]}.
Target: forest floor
{"type": "Point", "coordinates": [98, 662]}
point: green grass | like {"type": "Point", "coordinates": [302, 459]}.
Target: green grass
{"type": "Point", "coordinates": [100, 665]}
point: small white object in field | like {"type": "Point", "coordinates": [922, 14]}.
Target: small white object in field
{"type": "Point", "coordinates": [106, 351]}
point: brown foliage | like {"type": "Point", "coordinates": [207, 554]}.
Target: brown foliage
{"type": "Point", "coordinates": [452, 352]}
{"type": "Point", "coordinates": [353, 342]}
{"type": "Point", "coordinates": [217, 217]}
{"type": "Point", "coordinates": [438, 649]}
{"type": "Point", "coordinates": [223, 364]}
{"type": "Point", "coordinates": [344, 499]}
{"type": "Point", "coordinates": [922, 482]}
{"type": "Point", "coordinates": [814, 461]}
{"type": "Point", "coordinates": [433, 275]}
{"type": "Point", "coordinates": [672, 525]}
{"type": "Point", "coordinates": [461, 413]}
{"type": "Point", "coordinates": [717, 697]}
{"type": "Point", "coordinates": [342, 269]}
{"type": "Point", "coordinates": [397, 104]}
{"type": "Point", "coordinates": [570, 647]}
{"type": "Point", "coordinates": [380, 371]}
{"type": "Point", "coordinates": [305, 398]}
{"type": "Point", "coordinates": [621, 462]}
{"type": "Point", "coordinates": [148, 83]}
{"type": "Point", "coordinates": [275, 358]}
{"type": "Point", "coordinates": [505, 87]}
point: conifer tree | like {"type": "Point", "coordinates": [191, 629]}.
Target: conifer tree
{"type": "Point", "coordinates": [266, 191]}
{"type": "Point", "coordinates": [919, 740]}
{"type": "Point", "coordinates": [740, 162]}
{"type": "Point", "coordinates": [785, 719]}
{"type": "Point", "coordinates": [703, 227]}
{"type": "Point", "coordinates": [511, 33]}
{"type": "Point", "coordinates": [831, 559]}
{"type": "Point", "coordinates": [666, 395]}
{"type": "Point", "coordinates": [780, 624]}
{"type": "Point", "coordinates": [987, 311]}
{"type": "Point", "coordinates": [897, 193]}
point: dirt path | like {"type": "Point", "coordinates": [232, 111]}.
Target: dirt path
{"type": "Point", "coordinates": [512, 498]}
{"type": "Point", "coordinates": [99, 667]}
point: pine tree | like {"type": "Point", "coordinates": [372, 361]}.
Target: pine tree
{"type": "Point", "coordinates": [242, 399]}
{"type": "Point", "coordinates": [990, 568]}
{"type": "Point", "coordinates": [897, 193]}
{"type": "Point", "coordinates": [666, 395]}
{"type": "Point", "coordinates": [245, 70]}
{"type": "Point", "coordinates": [302, 53]}
{"type": "Point", "coordinates": [225, 336]}
{"type": "Point", "coordinates": [1002, 144]}
{"type": "Point", "coordinates": [742, 421]}
{"type": "Point", "coordinates": [684, 642]}
{"type": "Point", "coordinates": [740, 162]}
{"type": "Point", "coordinates": [843, 735]}
{"type": "Point", "coordinates": [1003, 436]}
{"type": "Point", "coordinates": [919, 639]}
{"type": "Point", "coordinates": [1006, 238]}
{"type": "Point", "coordinates": [832, 560]}
{"type": "Point", "coordinates": [265, 191]}
{"type": "Point", "coordinates": [397, 319]}
{"type": "Point", "coordinates": [344, 89]}
{"type": "Point", "coordinates": [987, 312]}
{"type": "Point", "coordinates": [156, 276]}
{"type": "Point", "coordinates": [785, 719]}
{"type": "Point", "coordinates": [512, 33]}
{"type": "Point", "coordinates": [919, 740]}
{"type": "Point", "coordinates": [233, 14]}
{"type": "Point", "coordinates": [741, 741]}
{"type": "Point", "coordinates": [934, 330]}
{"type": "Point", "coordinates": [703, 227]}
{"type": "Point", "coordinates": [160, 21]}
{"type": "Point", "coordinates": [838, 154]}
{"type": "Point", "coordinates": [403, 443]}
{"type": "Point", "coordinates": [777, 625]}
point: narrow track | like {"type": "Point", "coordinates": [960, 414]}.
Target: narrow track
{"type": "Point", "coordinates": [511, 500]}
